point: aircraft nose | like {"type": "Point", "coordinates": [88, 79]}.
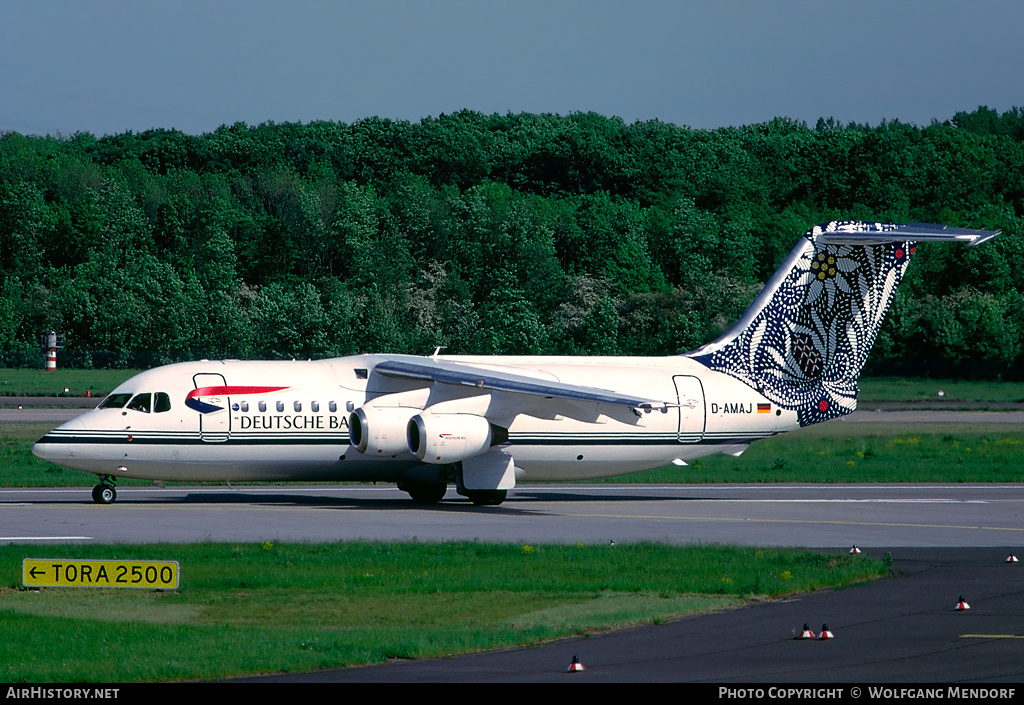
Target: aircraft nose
{"type": "Point", "coordinates": [50, 449]}
{"type": "Point", "coordinates": [54, 446]}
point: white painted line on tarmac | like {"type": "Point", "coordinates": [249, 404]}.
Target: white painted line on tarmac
{"type": "Point", "coordinates": [45, 538]}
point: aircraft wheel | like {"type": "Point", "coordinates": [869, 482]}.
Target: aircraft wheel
{"type": "Point", "coordinates": [486, 498]}
{"type": "Point", "coordinates": [425, 492]}
{"type": "Point", "coordinates": [104, 494]}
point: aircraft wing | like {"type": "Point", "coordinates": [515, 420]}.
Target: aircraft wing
{"type": "Point", "coordinates": [462, 374]}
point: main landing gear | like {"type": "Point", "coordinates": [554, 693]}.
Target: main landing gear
{"type": "Point", "coordinates": [104, 493]}
{"type": "Point", "coordinates": [424, 492]}
{"type": "Point", "coordinates": [433, 492]}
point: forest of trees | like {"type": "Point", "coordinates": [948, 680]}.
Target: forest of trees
{"type": "Point", "coordinates": [513, 234]}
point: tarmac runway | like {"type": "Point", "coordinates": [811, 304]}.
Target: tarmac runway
{"type": "Point", "coordinates": [811, 515]}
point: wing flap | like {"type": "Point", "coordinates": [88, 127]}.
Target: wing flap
{"type": "Point", "coordinates": [446, 372]}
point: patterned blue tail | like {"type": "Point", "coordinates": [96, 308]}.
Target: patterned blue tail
{"type": "Point", "coordinates": [804, 339]}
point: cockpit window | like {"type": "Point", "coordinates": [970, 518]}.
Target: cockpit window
{"type": "Point", "coordinates": [163, 402]}
{"type": "Point", "coordinates": [141, 402]}
{"type": "Point", "coordinates": [115, 401]}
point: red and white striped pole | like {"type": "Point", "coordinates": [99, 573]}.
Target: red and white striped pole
{"type": "Point", "coordinates": [51, 350]}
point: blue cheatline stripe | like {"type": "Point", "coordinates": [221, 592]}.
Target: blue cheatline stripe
{"type": "Point", "coordinates": [193, 440]}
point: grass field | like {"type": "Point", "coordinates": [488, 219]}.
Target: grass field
{"type": "Point", "coordinates": [40, 383]}
{"type": "Point", "coordinates": [866, 452]}
{"type": "Point", "coordinates": [245, 609]}
{"type": "Point", "coordinates": [943, 392]}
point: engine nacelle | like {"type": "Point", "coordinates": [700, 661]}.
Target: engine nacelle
{"type": "Point", "coordinates": [379, 431]}
{"type": "Point", "coordinates": [440, 439]}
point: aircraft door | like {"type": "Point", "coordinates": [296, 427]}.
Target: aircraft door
{"type": "Point", "coordinates": [215, 407]}
{"type": "Point", "coordinates": [691, 408]}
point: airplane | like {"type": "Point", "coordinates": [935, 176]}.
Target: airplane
{"type": "Point", "coordinates": [486, 423]}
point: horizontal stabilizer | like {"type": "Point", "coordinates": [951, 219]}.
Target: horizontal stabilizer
{"type": "Point", "coordinates": [855, 234]}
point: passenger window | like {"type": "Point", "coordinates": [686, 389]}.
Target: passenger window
{"type": "Point", "coordinates": [115, 401]}
{"type": "Point", "coordinates": [141, 402]}
{"type": "Point", "coordinates": [297, 406]}
{"type": "Point", "coordinates": [245, 406]}
{"type": "Point", "coordinates": [162, 402]}
{"type": "Point", "coordinates": [314, 406]}
{"type": "Point", "coordinates": [280, 406]}
{"type": "Point", "coordinates": [333, 406]}
{"type": "Point", "coordinates": [263, 406]}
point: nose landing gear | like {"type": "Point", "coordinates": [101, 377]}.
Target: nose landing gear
{"type": "Point", "coordinates": [104, 493]}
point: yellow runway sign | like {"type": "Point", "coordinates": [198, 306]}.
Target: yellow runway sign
{"type": "Point", "coordinates": [71, 572]}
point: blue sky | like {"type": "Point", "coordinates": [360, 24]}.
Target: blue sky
{"type": "Point", "coordinates": [105, 67]}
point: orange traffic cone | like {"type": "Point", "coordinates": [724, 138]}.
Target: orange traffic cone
{"type": "Point", "coordinates": [575, 665]}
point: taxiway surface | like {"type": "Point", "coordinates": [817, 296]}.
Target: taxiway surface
{"type": "Point", "coordinates": [833, 515]}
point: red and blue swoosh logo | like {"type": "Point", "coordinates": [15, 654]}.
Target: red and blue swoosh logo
{"type": "Point", "coordinates": [193, 401]}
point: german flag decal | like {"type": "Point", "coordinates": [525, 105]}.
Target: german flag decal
{"type": "Point", "coordinates": [764, 408]}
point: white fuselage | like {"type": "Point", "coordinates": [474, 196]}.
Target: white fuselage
{"type": "Point", "coordinates": [289, 420]}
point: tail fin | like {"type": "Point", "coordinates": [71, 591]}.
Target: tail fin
{"type": "Point", "coordinates": [804, 339]}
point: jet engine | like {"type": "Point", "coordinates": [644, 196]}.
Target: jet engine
{"type": "Point", "coordinates": [379, 431]}
{"type": "Point", "coordinates": [440, 439]}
